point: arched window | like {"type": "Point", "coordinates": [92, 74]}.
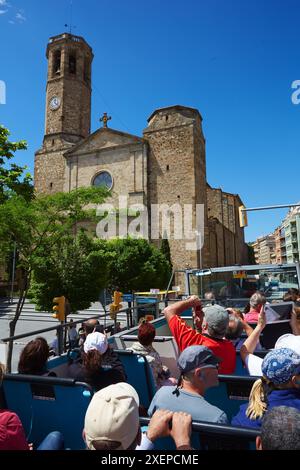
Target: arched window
{"type": "Point", "coordinates": [103, 179]}
{"type": "Point", "coordinates": [56, 63]}
{"type": "Point", "coordinates": [72, 63]}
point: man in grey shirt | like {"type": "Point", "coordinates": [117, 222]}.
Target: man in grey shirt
{"type": "Point", "coordinates": [198, 372]}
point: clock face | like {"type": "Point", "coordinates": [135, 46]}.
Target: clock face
{"type": "Point", "coordinates": [55, 102]}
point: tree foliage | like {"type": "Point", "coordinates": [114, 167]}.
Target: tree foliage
{"type": "Point", "coordinates": [38, 227]}
{"type": "Point", "coordinates": [12, 177]}
{"type": "Point", "coordinates": [165, 249]}
{"type": "Point", "coordinates": [73, 267]}
{"type": "Point", "coordinates": [135, 264]}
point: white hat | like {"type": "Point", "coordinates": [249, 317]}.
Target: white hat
{"type": "Point", "coordinates": [113, 415]}
{"type": "Point", "coordinates": [289, 341]}
{"type": "Point", "coordinates": [96, 341]}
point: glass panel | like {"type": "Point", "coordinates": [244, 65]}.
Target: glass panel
{"type": "Point", "coordinates": [103, 179]}
{"type": "Point", "coordinates": [234, 288]}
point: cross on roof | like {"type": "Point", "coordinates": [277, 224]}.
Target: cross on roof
{"type": "Point", "coordinates": [104, 119]}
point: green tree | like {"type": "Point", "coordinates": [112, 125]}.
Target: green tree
{"type": "Point", "coordinates": [39, 226]}
{"type": "Point", "coordinates": [12, 177]}
{"type": "Point", "coordinates": [135, 264]}
{"type": "Point", "coordinates": [73, 267]}
{"type": "Point", "coordinates": [165, 249]}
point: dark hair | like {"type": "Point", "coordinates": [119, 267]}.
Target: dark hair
{"type": "Point", "coordinates": [92, 361]}
{"type": "Point", "coordinates": [247, 308]}
{"type": "Point", "coordinates": [146, 333]}
{"type": "Point", "coordinates": [280, 429]}
{"type": "Point", "coordinates": [235, 328]}
{"type": "Point", "coordinates": [34, 357]}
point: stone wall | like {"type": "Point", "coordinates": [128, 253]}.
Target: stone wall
{"type": "Point", "coordinates": [176, 170]}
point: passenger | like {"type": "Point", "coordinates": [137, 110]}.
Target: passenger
{"type": "Point", "coordinates": [214, 326]}
{"type": "Point", "coordinates": [90, 368]}
{"type": "Point", "coordinates": [253, 362]}
{"type": "Point", "coordinates": [146, 335]}
{"type": "Point", "coordinates": [112, 422]}
{"type": "Point", "coordinates": [34, 357]}
{"type": "Point", "coordinates": [294, 293]}
{"type": "Point", "coordinates": [257, 300]}
{"type": "Point", "coordinates": [280, 430]}
{"type": "Point", "coordinates": [93, 325]}
{"type": "Point", "coordinates": [198, 372]}
{"type": "Point", "coordinates": [279, 385]}
{"type": "Point", "coordinates": [236, 327]}
{"type": "Point", "coordinates": [12, 434]}
{"type": "Point", "coordinates": [109, 357]}
{"type": "Point", "coordinates": [209, 298]}
{"type": "Point", "coordinates": [73, 335]}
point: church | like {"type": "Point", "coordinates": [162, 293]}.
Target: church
{"type": "Point", "coordinates": [167, 165]}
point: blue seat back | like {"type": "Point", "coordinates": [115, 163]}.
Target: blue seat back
{"type": "Point", "coordinates": [231, 393]}
{"type": "Point", "coordinates": [139, 375]}
{"type": "Point", "coordinates": [209, 436]}
{"type": "Point", "coordinates": [46, 404]}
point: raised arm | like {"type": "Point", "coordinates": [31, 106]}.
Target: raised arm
{"type": "Point", "coordinates": [178, 307]}
{"type": "Point", "coordinates": [251, 342]}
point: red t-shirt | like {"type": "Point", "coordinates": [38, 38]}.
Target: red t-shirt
{"type": "Point", "coordinates": [12, 435]}
{"type": "Point", "coordinates": [186, 336]}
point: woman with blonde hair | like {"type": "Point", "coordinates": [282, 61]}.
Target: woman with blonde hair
{"type": "Point", "coordinates": [279, 386]}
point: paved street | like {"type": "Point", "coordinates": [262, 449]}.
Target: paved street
{"type": "Point", "coordinates": [32, 321]}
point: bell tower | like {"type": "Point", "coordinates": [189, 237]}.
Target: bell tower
{"type": "Point", "coordinates": [68, 108]}
{"type": "Point", "coordinates": [68, 95]}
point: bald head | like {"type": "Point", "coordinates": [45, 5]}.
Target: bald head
{"type": "Point", "coordinates": [90, 325]}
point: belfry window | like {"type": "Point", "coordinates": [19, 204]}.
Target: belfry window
{"type": "Point", "coordinates": [56, 63]}
{"type": "Point", "coordinates": [72, 63]}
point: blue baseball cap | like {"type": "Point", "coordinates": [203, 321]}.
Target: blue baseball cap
{"type": "Point", "coordinates": [196, 356]}
{"type": "Point", "coordinates": [280, 365]}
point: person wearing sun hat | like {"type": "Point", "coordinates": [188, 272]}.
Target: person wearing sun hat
{"type": "Point", "coordinates": [279, 386]}
{"type": "Point", "coordinates": [91, 366]}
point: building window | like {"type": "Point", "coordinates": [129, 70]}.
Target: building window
{"type": "Point", "coordinates": [56, 63]}
{"type": "Point", "coordinates": [72, 63]}
{"type": "Point", "coordinates": [167, 167]}
{"type": "Point", "coordinates": [103, 179]}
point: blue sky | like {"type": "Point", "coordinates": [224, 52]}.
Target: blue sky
{"type": "Point", "coordinates": [233, 60]}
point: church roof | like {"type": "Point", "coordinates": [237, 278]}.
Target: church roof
{"type": "Point", "coordinates": [176, 107]}
{"type": "Point", "coordinates": [99, 133]}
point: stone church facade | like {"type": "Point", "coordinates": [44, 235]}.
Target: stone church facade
{"type": "Point", "coordinates": [165, 166]}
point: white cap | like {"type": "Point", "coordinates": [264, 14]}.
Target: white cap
{"type": "Point", "coordinates": [96, 341]}
{"type": "Point", "coordinates": [113, 415]}
{"type": "Point", "coordinates": [289, 341]}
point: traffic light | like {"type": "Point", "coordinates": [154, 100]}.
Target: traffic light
{"type": "Point", "coordinates": [116, 305]}
{"type": "Point", "coordinates": [243, 217]}
{"type": "Point", "coordinates": [60, 309]}
{"type": "Point", "coordinates": [117, 299]}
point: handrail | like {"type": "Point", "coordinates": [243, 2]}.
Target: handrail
{"type": "Point", "coordinates": [211, 428]}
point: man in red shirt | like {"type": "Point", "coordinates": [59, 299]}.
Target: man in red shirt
{"type": "Point", "coordinates": [214, 321]}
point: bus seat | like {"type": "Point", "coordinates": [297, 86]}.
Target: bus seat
{"type": "Point", "coordinates": [46, 404]}
{"type": "Point", "coordinates": [231, 393]}
{"type": "Point", "coordinates": [139, 375]}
